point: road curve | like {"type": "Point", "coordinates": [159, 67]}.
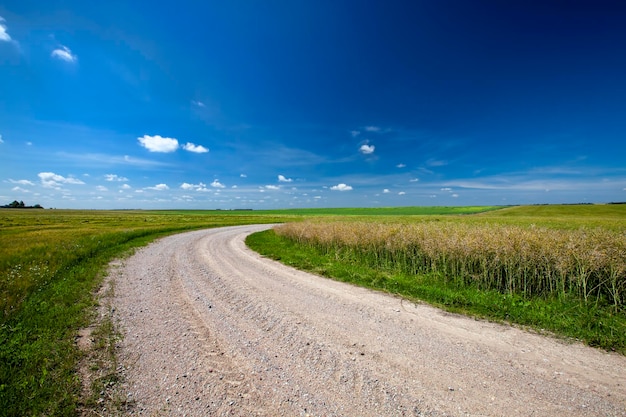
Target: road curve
{"type": "Point", "coordinates": [211, 328]}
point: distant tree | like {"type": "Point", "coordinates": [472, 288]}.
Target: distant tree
{"type": "Point", "coordinates": [20, 204]}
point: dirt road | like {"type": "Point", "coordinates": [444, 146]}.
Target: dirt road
{"type": "Point", "coordinates": [211, 328]}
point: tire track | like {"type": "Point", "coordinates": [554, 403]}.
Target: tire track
{"type": "Point", "coordinates": [211, 328]}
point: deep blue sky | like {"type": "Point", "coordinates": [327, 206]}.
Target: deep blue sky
{"type": "Point", "coordinates": [278, 104]}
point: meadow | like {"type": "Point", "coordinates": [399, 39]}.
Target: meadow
{"type": "Point", "coordinates": [53, 261]}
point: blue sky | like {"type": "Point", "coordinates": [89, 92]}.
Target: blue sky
{"type": "Point", "coordinates": [279, 104]}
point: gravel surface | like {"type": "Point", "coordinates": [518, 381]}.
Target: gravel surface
{"type": "Point", "coordinates": [210, 328]}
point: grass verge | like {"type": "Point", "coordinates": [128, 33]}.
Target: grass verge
{"type": "Point", "coordinates": [51, 264]}
{"type": "Point", "coordinates": [564, 316]}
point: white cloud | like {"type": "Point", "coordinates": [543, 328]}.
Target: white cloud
{"type": "Point", "coordinates": [102, 188]}
{"type": "Point", "coordinates": [341, 187]}
{"type": "Point", "coordinates": [243, 175]}
{"type": "Point", "coordinates": [455, 195]}
{"type": "Point", "coordinates": [126, 187]}
{"type": "Point", "coordinates": [52, 180]}
{"type": "Point", "coordinates": [1, 141]}
{"type": "Point", "coordinates": [446, 189]}
{"type": "Point", "coordinates": [282, 178]}
{"type": "Point", "coordinates": [198, 187]}
{"type": "Point", "coordinates": [372, 129]}
{"type": "Point", "coordinates": [115, 177]}
{"type": "Point", "coordinates": [21, 182]}
{"type": "Point", "coordinates": [355, 133]}
{"type": "Point", "coordinates": [401, 165]}
{"type": "Point", "coordinates": [272, 187]}
{"type": "Point", "coordinates": [414, 180]}
{"type": "Point", "coordinates": [64, 53]}
{"type": "Point", "coordinates": [158, 187]}
{"type": "Point", "coordinates": [20, 190]}
{"type": "Point", "coordinates": [4, 36]}
{"type": "Point", "coordinates": [195, 148]}
{"type": "Point", "coordinates": [158, 143]}
{"type": "Point", "coordinates": [367, 149]}
{"type": "Point", "coordinates": [217, 184]}
{"type": "Point", "coordinates": [401, 193]}
{"type": "Point", "coordinates": [198, 103]}
{"type": "Point", "coordinates": [386, 190]}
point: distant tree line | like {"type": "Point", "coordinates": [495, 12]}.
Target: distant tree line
{"type": "Point", "coordinates": [20, 204]}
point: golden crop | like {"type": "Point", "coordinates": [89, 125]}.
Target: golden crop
{"type": "Point", "coordinates": [513, 259]}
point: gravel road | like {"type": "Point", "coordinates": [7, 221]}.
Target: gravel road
{"type": "Point", "coordinates": [210, 328]}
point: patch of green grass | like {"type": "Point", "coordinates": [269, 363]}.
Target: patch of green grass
{"type": "Point", "coordinates": [50, 264]}
{"type": "Point", "coordinates": [562, 216]}
{"type": "Point", "coordinates": [595, 324]}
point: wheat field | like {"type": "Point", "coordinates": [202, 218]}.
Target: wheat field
{"type": "Point", "coordinates": [514, 259]}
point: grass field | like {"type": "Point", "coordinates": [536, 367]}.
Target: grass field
{"type": "Point", "coordinates": [52, 261]}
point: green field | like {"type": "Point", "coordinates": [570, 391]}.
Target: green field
{"type": "Point", "coordinates": [52, 261]}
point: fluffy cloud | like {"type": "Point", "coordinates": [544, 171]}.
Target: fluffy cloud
{"type": "Point", "coordinates": [217, 184]}
{"type": "Point", "coordinates": [20, 190]}
{"type": "Point", "coordinates": [52, 180]}
{"type": "Point", "coordinates": [102, 188]}
{"type": "Point", "coordinates": [194, 148]}
{"type": "Point", "coordinates": [243, 175]}
{"type": "Point", "coordinates": [64, 54]}
{"type": "Point", "coordinates": [282, 178]}
{"type": "Point", "coordinates": [414, 180]}
{"type": "Point", "coordinates": [446, 189]}
{"type": "Point", "coordinates": [401, 193]}
{"type": "Point", "coordinates": [367, 149]}
{"type": "Point", "coordinates": [401, 166]}
{"type": "Point", "coordinates": [341, 187]}
{"type": "Point", "coordinates": [158, 143]}
{"type": "Point", "coordinates": [4, 36]}
{"type": "Point", "coordinates": [126, 187]}
{"type": "Point", "coordinates": [21, 182]}
{"type": "Point", "coordinates": [159, 187]}
{"type": "Point", "coordinates": [372, 129]}
{"type": "Point", "coordinates": [386, 190]}
{"type": "Point", "coordinates": [198, 187]}
{"type": "Point", "coordinates": [115, 177]}
{"type": "Point", "coordinates": [272, 187]}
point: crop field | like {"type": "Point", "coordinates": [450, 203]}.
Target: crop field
{"type": "Point", "coordinates": [559, 268]}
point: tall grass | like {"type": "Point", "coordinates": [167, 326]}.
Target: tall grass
{"type": "Point", "coordinates": [529, 261]}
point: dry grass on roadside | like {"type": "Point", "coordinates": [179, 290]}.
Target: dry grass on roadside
{"type": "Point", "coordinates": [526, 260]}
